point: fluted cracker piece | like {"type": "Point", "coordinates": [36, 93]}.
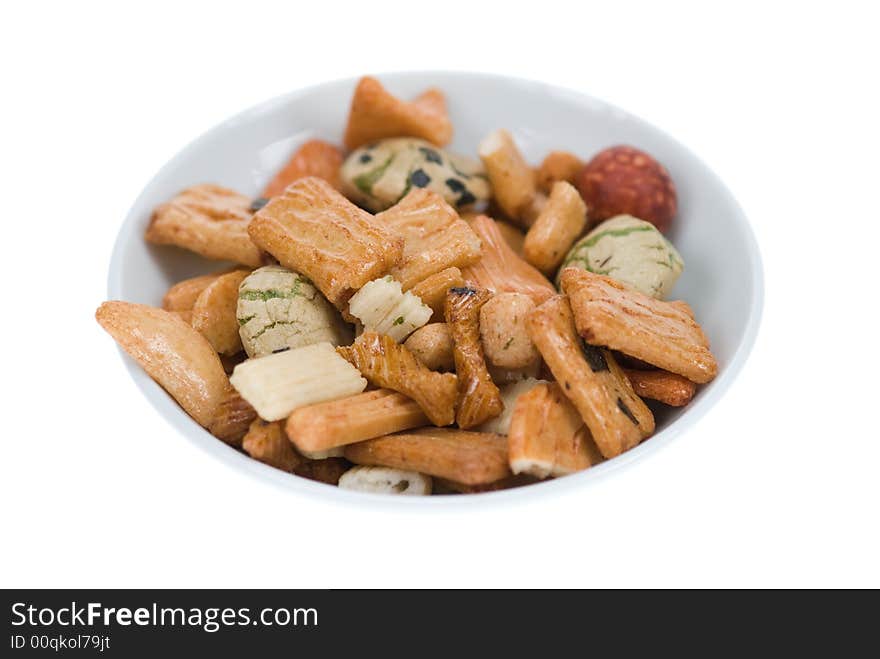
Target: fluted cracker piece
{"type": "Point", "coordinates": [501, 270]}
{"type": "Point", "coordinates": [547, 436]}
{"type": "Point", "coordinates": [435, 237]}
{"type": "Point", "coordinates": [375, 114]}
{"type": "Point", "coordinates": [208, 220]}
{"type": "Point", "coordinates": [232, 419]}
{"type": "Point", "coordinates": [663, 386]}
{"type": "Point", "coordinates": [471, 458]}
{"type": "Point", "coordinates": [381, 306]}
{"type": "Point", "coordinates": [478, 397]}
{"type": "Point", "coordinates": [591, 379]}
{"type": "Point", "coordinates": [388, 364]}
{"type": "Point", "coordinates": [347, 420]}
{"type": "Point", "coordinates": [315, 231]}
{"type": "Point", "coordinates": [267, 443]}
{"type": "Point", "coordinates": [664, 334]}
{"type": "Point", "coordinates": [172, 353]}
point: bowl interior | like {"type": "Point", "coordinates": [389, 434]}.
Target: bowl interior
{"type": "Point", "coordinates": [722, 277]}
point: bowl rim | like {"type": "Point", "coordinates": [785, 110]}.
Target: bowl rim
{"type": "Point", "coordinates": [329, 494]}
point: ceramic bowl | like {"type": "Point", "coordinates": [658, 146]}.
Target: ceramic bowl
{"type": "Point", "coordinates": [722, 280]}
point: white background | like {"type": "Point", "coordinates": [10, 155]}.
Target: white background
{"type": "Point", "coordinates": [776, 486]}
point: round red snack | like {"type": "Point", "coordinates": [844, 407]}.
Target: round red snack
{"type": "Point", "coordinates": [622, 180]}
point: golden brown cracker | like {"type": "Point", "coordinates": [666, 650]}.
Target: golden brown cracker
{"type": "Point", "coordinates": [560, 222]}
{"type": "Point", "coordinates": [315, 231]}
{"type": "Point", "coordinates": [471, 458]}
{"type": "Point", "coordinates": [376, 114]}
{"type": "Point", "coordinates": [267, 443]}
{"type": "Point", "coordinates": [347, 420]}
{"type": "Point", "coordinates": [663, 386]}
{"type": "Point", "coordinates": [664, 334]}
{"type": "Point", "coordinates": [501, 270]}
{"type": "Point", "coordinates": [312, 158]}
{"type": "Point", "coordinates": [591, 379]}
{"type": "Point", "coordinates": [232, 419]}
{"type": "Point", "coordinates": [435, 237]}
{"type": "Point", "coordinates": [172, 353]}
{"type": "Point", "coordinates": [214, 312]}
{"type": "Point", "coordinates": [478, 397]}
{"type": "Point", "coordinates": [558, 166]}
{"type": "Point", "coordinates": [208, 220]}
{"type": "Point", "coordinates": [386, 363]}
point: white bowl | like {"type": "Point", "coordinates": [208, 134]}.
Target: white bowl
{"type": "Point", "coordinates": [722, 279]}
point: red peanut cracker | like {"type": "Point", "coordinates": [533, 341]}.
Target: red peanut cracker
{"type": "Point", "coordinates": [622, 180]}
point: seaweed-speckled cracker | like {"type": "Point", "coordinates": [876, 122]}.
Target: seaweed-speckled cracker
{"type": "Point", "coordinates": [435, 237]}
{"type": "Point", "coordinates": [315, 231]}
{"type": "Point", "coordinates": [591, 379]}
{"type": "Point", "coordinates": [664, 334]}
